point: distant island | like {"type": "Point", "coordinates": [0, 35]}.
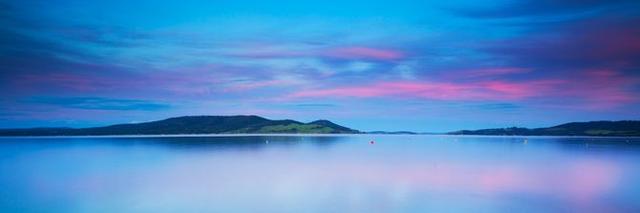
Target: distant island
{"type": "Point", "coordinates": [240, 124]}
{"type": "Point", "coordinates": [592, 128]}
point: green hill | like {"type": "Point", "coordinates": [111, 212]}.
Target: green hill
{"type": "Point", "coordinates": [194, 125]}
{"type": "Point", "coordinates": [592, 128]}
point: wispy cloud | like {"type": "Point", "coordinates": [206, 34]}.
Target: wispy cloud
{"type": "Point", "coordinates": [591, 90]}
{"type": "Point", "coordinates": [315, 105]}
{"type": "Point", "coordinates": [98, 103]}
{"type": "Point", "coordinates": [490, 90]}
{"type": "Point", "coordinates": [365, 53]}
{"type": "Point", "coordinates": [337, 52]}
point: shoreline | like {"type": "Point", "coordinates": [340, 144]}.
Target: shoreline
{"type": "Point", "coordinates": [308, 135]}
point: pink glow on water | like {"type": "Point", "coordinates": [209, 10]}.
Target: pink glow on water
{"type": "Point", "coordinates": [589, 179]}
{"type": "Point", "coordinates": [576, 183]}
{"type": "Point", "coordinates": [343, 172]}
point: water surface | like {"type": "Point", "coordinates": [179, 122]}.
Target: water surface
{"type": "Point", "coordinates": [344, 173]}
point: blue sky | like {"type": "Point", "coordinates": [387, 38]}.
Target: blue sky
{"type": "Point", "coordinates": [426, 66]}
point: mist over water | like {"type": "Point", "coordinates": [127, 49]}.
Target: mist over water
{"type": "Point", "coordinates": [337, 173]}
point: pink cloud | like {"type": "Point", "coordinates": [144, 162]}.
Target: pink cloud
{"type": "Point", "coordinates": [350, 53]}
{"type": "Point", "coordinates": [490, 90]}
{"type": "Point", "coordinates": [590, 90]}
{"type": "Point", "coordinates": [491, 72]}
{"type": "Point", "coordinates": [267, 54]}
{"type": "Point", "coordinates": [244, 86]}
{"type": "Point", "coordinates": [64, 81]}
{"type": "Point", "coordinates": [365, 53]}
{"type": "Point", "coordinates": [600, 89]}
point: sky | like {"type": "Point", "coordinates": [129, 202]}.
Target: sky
{"type": "Point", "coordinates": [426, 66]}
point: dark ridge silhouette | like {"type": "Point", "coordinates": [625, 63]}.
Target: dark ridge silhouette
{"type": "Point", "coordinates": [193, 125]}
{"type": "Point", "coordinates": [592, 128]}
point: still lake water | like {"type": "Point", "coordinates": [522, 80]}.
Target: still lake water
{"type": "Point", "coordinates": [343, 173]}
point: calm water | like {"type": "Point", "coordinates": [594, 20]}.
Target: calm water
{"type": "Point", "coordinates": [320, 174]}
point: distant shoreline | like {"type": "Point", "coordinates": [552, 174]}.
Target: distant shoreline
{"type": "Point", "coordinates": [311, 135]}
{"type": "Point", "coordinates": [250, 125]}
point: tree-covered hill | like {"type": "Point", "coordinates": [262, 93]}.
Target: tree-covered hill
{"type": "Point", "coordinates": [193, 125]}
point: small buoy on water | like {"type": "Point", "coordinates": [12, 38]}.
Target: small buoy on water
{"type": "Point", "coordinates": [372, 142]}
{"type": "Point", "coordinates": [267, 141]}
